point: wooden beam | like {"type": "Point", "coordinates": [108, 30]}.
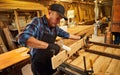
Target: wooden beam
{"type": "Point", "coordinates": [38, 13]}
{"type": "Point", "coordinates": [64, 55]}
{"type": "Point", "coordinates": [2, 45]}
{"type": "Point", "coordinates": [113, 66]}
{"type": "Point", "coordinates": [17, 21]}
{"type": "Point", "coordinates": [22, 5]}
{"type": "Point", "coordinates": [103, 64]}
{"type": "Point", "coordinates": [13, 57]}
{"type": "Point", "coordinates": [9, 38]}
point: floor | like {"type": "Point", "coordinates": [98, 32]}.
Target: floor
{"type": "Point", "coordinates": [26, 70]}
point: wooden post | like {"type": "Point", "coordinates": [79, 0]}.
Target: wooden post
{"type": "Point", "coordinates": [9, 38]}
{"type": "Point", "coordinates": [17, 21]}
{"type": "Point", "coordinates": [38, 13]}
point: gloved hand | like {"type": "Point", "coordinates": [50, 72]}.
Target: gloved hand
{"type": "Point", "coordinates": [83, 35]}
{"type": "Point", "coordinates": [54, 48]}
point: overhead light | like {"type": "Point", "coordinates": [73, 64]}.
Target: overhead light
{"type": "Point", "coordinates": [100, 1]}
{"type": "Point", "coordinates": [94, 1]}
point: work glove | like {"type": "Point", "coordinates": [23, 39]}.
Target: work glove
{"type": "Point", "coordinates": [54, 48]}
{"type": "Point", "coordinates": [83, 35]}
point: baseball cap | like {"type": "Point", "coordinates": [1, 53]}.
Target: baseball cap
{"type": "Point", "coordinates": [59, 9]}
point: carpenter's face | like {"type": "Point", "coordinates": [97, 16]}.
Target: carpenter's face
{"type": "Point", "coordinates": [54, 18]}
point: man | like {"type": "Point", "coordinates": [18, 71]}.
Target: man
{"type": "Point", "coordinates": [40, 35]}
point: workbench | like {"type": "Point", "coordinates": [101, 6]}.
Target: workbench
{"type": "Point", "coordinates": [11, 62]}
{"type": "Point", "coordinates": [106, 61]}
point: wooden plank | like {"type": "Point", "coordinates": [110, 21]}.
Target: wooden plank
{"type": "Point", "coordinates": [64, 55]}
{"type": "Point", "coordinates": [17, 21]}
{"type": "Point", "coordinates": [89, 57]}
{"type": "Point", "coordinates": [113, 65]}
{"type": "Point", "coordinates": [2, 46]}
{"type": "Point", "coordinates": [9, 38]}
{"type": "Point", "coordinates": [12, 57]}
{"type": "Point", "coordinates": [79, 30]}
{"type": "Point", "coordinates": [117, 71]}
{"type": "Point", "coordinates": [22, 5]}
{"type": "Point", "coordinates": [100, 70]}
{"type": "Point", "coordinates": [38, 13]}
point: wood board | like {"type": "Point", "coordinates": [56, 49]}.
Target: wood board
{"type": "Point", "coordinates": [9, 38]}
{"type": "Point", "coordinates": [2, 46]}
{"type": "Point", "coordinates": [12, 57]}
{"type": "Point", "coordinates": [64, 55]}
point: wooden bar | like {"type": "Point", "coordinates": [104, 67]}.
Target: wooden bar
{"type": "Point", "coordinates": [9, 38]}
{"type": "Point", "coordinates": [2, 46]}
{"type": "Point", "coordinates": [12, 57]}
{"type": "Point", "coordinates": [38, 13]}
{"type": "Point", "coordinates": [17, 21]}
{"type": "Point", "coordinates": [22, 5]}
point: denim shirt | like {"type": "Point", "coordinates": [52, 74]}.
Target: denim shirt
{"type": "Point", "coordinates": [36, 29]}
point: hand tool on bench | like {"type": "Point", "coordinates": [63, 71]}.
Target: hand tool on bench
{"type": "Point", "coordinates": [88, 72]}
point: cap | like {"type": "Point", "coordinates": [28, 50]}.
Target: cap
{"type": "Point", "coordinates": [58, 8]}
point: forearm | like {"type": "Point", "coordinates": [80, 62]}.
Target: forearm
{"type": "Point", "coordinates": [75, 37]}
{"type": "Point", "coordinates": [34, 43]}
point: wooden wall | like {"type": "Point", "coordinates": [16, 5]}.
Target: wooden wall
{"type": "Point", "coordinates": [83, 10]}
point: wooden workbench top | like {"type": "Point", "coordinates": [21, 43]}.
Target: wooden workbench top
{"type": "Point", "coordinates": [12, 57]}
{"type": "Point", "coordinates": [101, 65]}
{"type": "Point", "coordinates": [79, 30]}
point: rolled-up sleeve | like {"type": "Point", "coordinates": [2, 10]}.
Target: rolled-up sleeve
{"type": "Point", "coordinates": [29, 31]}
{"type": "Point", "coordinates": [62, 33]}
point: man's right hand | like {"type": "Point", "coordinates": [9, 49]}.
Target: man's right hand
{"type": "Point", "coordinates": [83, 35]}
{"type": "Point", "coordinates": [54, 48]}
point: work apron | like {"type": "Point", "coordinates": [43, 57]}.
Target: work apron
{"type": "Point", "coordinates": [41, 61]}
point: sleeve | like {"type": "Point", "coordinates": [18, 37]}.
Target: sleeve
{"type": "Point", "coordinates": [62, 33]}
{"type": "Point", "coordinates": [30, 30]}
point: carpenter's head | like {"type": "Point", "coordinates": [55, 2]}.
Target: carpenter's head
{"type": "Point", "coordinates": [55, 13]}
